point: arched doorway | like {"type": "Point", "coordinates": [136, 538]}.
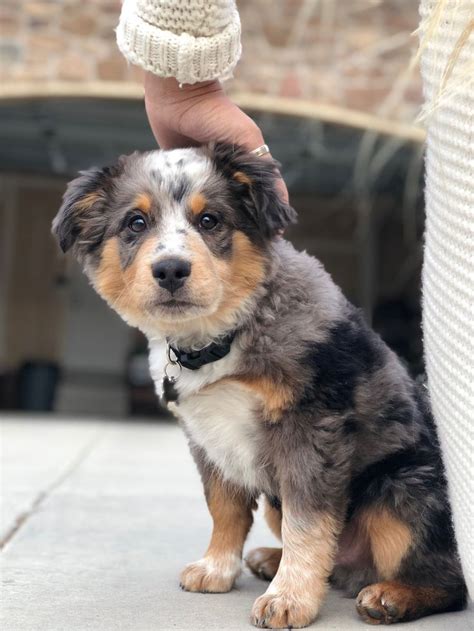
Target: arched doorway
{"type": "Point", "coordinates": [354, 179]}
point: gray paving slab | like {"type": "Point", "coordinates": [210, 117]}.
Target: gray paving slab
{"type": "Point", "coordinates": [104, 548]}
{"type": "Point", "coordinates": [36, 454]}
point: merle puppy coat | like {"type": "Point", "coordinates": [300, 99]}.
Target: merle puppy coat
{"type": "Point", "coordinates": [293, 399]}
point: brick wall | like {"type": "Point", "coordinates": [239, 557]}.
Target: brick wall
{"type": "Point", "coordinates": [352, 53]}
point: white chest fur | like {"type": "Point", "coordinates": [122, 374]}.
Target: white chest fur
{"type": "Point", "coordinates": [220, 418]}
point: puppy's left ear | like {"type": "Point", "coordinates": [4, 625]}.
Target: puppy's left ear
{"type": "Point", "coordinates": [253, 180]}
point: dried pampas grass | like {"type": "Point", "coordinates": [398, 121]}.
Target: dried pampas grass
{"type": "Point", "coordinates": [458, 72]}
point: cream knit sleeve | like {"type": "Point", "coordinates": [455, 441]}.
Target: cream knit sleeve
{"type": "Point", "coordinates": [191, 40]}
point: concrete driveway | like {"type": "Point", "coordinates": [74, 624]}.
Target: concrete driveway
{"type": "Point", "coordinates": [99, 517]}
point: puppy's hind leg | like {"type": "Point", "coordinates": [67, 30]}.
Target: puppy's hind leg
{"type": "Point", "coordinates": [264, 562]}
{"type": "Point", "coordinates": [393, 601]}
{"type": "Point", "coordinates": [416, 582]}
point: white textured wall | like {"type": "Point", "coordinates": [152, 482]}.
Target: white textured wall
{"type": "Point", "coordinates": [448, 277]}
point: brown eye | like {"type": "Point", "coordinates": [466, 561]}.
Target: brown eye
{"type": "Point", "coordinates": [137, 224]}
{"type": "Point", "coordinates": [208, 221]}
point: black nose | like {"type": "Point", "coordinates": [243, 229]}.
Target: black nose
{"type": "Point", "coordinates": [171, 274]}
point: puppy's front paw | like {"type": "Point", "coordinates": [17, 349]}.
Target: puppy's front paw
{"type": "Point", "coordinates": [282, 611]}
{"type": "Point", "coordinates": [212, 575]}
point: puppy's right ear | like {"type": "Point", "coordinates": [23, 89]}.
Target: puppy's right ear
{"type": "Point", "coordinates": [82, 212]}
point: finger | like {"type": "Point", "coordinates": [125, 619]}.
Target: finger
{"type": "Point", "coordinates": [281, 188]}
{"type": "Point", "coordinates": [280, 182]}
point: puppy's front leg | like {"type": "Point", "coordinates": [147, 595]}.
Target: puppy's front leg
{"type": "Point", "coordinates": [294, 596]}
{"type": "Point", "coordinates": [231, 510]}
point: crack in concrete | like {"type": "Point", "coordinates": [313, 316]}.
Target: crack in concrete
{"type": "Point", "coordinates": [42, 496]}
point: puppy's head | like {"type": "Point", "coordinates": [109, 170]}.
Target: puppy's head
{"type": "Point", "coordinates": [173, 237]}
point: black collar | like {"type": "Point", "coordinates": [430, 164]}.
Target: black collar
{"type": "Point", "coordinates": [193, 360]}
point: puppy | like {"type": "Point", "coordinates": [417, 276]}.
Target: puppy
{"type": "Point", "coordinates": [281, 388]}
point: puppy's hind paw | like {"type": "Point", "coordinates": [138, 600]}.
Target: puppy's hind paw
{"type": "Point", "coordinates": [382, 603]}
{"type": "Point", "coordinates": [264, 562]}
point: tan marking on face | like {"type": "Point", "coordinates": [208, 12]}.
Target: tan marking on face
{"type": "Point", "coordinates": [242, 178]}
{"type": "Point", "coordinates": [109, 280]}
{"type": "Point", "coordinates": [241, 275]}
{"type": "Point", "coordinates": [218, 286]}
{"type": "Point", "coordinates": [231, 512]}
{"type": "Point", "coordinates": [203, 284]}
{"type": "Point", "coordinates": [389, 539]}
{"type": "Point", "coordinates": [227, 284]}
{"type": "Point", "coordinates": [126, 290]}
{"type": "Point", "coordinates": [143, 202]}
{"type": "Point", "coordinates": [294, 596]}
{"type": "Point", "coordinates": [197, 203]}
{"type": "Point", "coordinates": [275, 397]}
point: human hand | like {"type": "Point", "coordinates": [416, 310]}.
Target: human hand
{"type": "Point", "coordinates": [197, 114]}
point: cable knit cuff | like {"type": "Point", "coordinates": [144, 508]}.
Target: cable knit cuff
{"type": "Point", "coordinates": [187, 58]}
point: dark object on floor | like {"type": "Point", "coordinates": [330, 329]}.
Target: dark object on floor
{"type": "Point", "coordinates": [37, 384]}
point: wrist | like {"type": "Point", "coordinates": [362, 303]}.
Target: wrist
{"type": "Point", "coordinates": [167, 89]}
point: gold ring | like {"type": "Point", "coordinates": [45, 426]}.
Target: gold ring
{"type": "Point", "coordinates": [260, 151]}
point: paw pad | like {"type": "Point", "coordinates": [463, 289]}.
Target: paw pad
{"type": "Point", "coordinates": [377, 604]}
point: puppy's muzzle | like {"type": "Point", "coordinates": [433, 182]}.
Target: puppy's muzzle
{"type": "Point", "coordinates": [171, 273]}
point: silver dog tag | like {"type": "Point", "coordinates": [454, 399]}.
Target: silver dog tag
{"type": "Point", "coordinates": [170, 393]}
